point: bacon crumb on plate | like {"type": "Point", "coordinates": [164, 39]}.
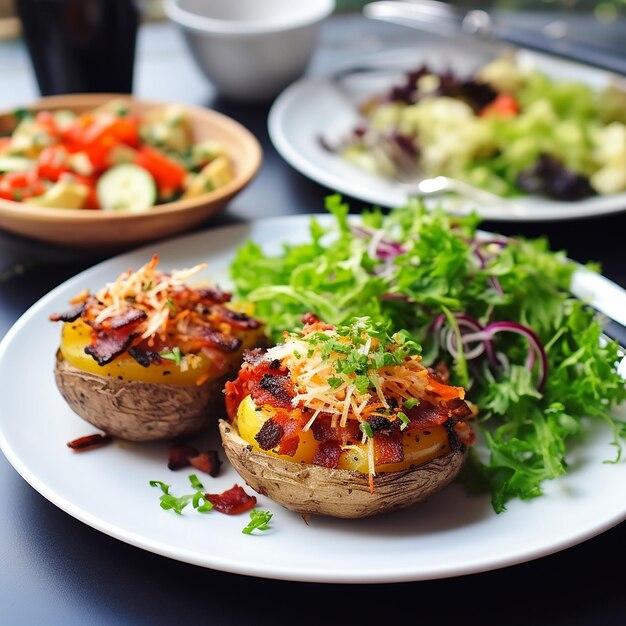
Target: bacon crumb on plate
{"type": "Point", "coordinates": [232, 501]}
{"type": "Point", "coordinates": [89, 442]}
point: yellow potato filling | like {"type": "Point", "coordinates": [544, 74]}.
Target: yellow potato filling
{"type": "Point", "coordinates": [76, 336]}
{"type": "Point", "coordinates": [420, 446]}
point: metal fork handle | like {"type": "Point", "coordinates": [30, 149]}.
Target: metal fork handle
{"type": "Point", "coordinates": [440, 185]}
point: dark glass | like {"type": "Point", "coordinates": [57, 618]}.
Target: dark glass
{"type": "Point", "coordinates": [81, 45]}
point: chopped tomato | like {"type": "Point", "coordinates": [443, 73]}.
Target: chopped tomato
{"type": "Point", "coordinates": [74, 135]}
{"type": "Point", "coordinates": [168, 174]}
{"type": "Point", "coordinates": [121, 129]}
{"type": "Point", "coordinates": [504, 105]}
{"type": "Point", "coordinates": [46, 120]}
{"type": "Point", "coordinates": [125, 130]}
{"type": "Point", "coordinates": [19, 186]}
{"type": "Point", "coordinates": [98, 151]}
{"type": "Point", "coordinates": [52, 162]}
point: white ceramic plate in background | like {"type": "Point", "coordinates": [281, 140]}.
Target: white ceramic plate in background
{"type": "Point", "coordinates": [320, 107]}
{"type": "Point", "coordinates": [108, 488]}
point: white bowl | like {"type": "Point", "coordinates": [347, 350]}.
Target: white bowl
{"type": "Point", "coordinates": [250, 50]}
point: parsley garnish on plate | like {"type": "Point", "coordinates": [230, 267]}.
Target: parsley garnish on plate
{"type": "Point", "coordinates": [496, 312]}
{"type": "Point", "coordinates": [170, 502]}
{"type": "Point", "coordinates": [259, 520]}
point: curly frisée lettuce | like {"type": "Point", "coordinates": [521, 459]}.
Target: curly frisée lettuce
{"type": "Point", "coordinates": [495, 312]}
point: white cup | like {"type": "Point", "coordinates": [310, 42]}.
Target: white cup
{"type": "Point", "coordinates": [250, 50]}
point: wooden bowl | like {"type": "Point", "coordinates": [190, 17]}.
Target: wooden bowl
{"type": "Point", "coordinates": [99, 230]}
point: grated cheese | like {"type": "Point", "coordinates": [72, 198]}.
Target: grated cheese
{"type": "Point", "coordinates": [149, 290]}
{"type": "Point", "coordinates": [342, 399]}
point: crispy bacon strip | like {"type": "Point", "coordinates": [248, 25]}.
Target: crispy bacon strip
{"type": "Point", "coordinates": [128, 316]}
{"type": "Point", "coordinates": [235, 318]}
{"type": "Point", "coordinates": [145, 357]}
{"type": "Point", "coordinates": [207, 462]}
{"type": "Point", "coordinates": [231, 502]}
{"type": "Point", "coordinates": [89, 442]}
{"type": "Point", "coordinates": [327, 454]}
{"type": "Point", "coordinates": [270, 434]}
{"type": "Point", "coordinates": [214, 295]}
{"type": "Point", "coordinates": [388, 448]}
{"type": "Point", "coordinates": [426, 414]}
{"type": "Point", "coordinates": [179, 456]}
{"type": "Point", "coordinates": [216, 339]}
{"type": "Point", "coordinates": [110, 343]}
{"type": "Point", "coordinates": [323, 431]}
{"type": "Point", "coordinates": [309, 318]}
{"type": "Point", "coordinates": [274, 389]}
{"type": "Point", "coordinates": [289, 445]}
{"type": "Point", "coordinates": [440, 373]}
{"type": "Point", "coordinates": [68, 316]}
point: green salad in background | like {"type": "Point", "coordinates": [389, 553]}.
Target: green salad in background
{"type": "Point", "coordinates": [493, 314]}
{"type": "Point", "coordinates": [507, 129]}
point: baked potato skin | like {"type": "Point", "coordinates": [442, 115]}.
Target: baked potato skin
{"type": "Point", "coordinates": [311, 489]}
{"type": "Point", "coordinates": [139, 411]}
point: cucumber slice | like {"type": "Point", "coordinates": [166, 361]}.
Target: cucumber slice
{"type": "Point", "coordinates": [126, 187]}
{"type": "Point", "coordinates": [15, 164]}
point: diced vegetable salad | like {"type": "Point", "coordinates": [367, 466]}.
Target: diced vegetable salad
{"type": "Point", "coordinates": [109, 158]}
{"type": "Point", "coordinates": [507, 129]}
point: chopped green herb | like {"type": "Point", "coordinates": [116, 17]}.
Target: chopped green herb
{"type": "Point", "coordinates": [169, 502]}
{"type": "Point", "coordinates": [195, 482]}
{"type": "Point", "coordinates": [404, 419]}
{"type": "Point", "coordinates": [362, 383]}
{"type": "Point", "coordinates": [410, 403]}
{"type": "Point", "coordinates": [172, 503]}
{"type": "Point", "coordinates": [174, 355]}
{"type": "Point", "coordinates": [157, 483]}
{"type": "Point", "coordinates": [200, 503]}
{"type": "Point", "coordinates": [20, 114]}
{"type": "Point", "coordinates": [259, 520]}
{"type": "Point", "coordinates": [335, 381]}
{"type": "Point", "coordinates": [366, 428]}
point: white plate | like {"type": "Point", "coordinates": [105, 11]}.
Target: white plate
{"type": "Point", "coordinates": [453, 534]}
{"type": "Point", "coordinates": [317, 107]}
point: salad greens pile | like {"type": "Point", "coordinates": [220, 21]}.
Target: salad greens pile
{"type": "Point", "coordinates": [505, 128]}
{"type": "Point", "coordinates": [496, 312]}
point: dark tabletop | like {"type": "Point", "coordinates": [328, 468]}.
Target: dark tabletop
{"type": "Point", "coordinates": [57, 570]}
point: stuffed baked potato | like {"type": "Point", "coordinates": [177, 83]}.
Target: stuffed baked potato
{"type": "Point", "coordinates": [344, 422]}
{"type": "Point", "coordinates": [147, 356]}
